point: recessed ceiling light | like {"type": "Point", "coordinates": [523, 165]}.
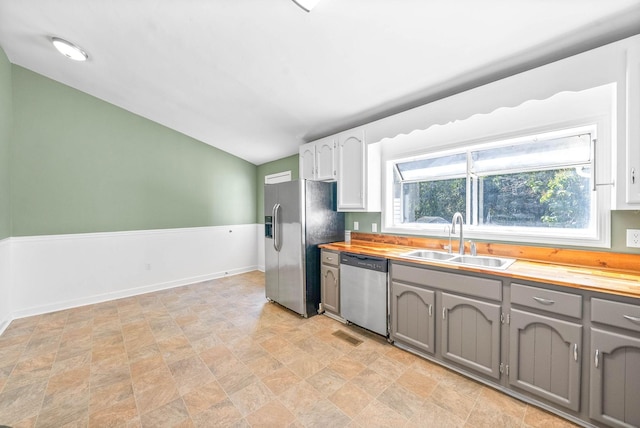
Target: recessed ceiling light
{"type": "Point", "coordinates": [307, 4]}
{"type": "Point", "coordinates": [69, 50]}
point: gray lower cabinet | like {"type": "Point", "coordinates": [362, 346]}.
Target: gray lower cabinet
{"type": "Point", "coordinates": [545, 357]}
{"type": "Point", "coordinates": [471, 333]}
{"type": "Point", "coordinates": [615, 364]}
{"type": "Point", "coordinates": [534, 336]}
{"type": "Point", "coordinates": [412, 312]}
{"type": "Point", "coordinates": [330, 282]}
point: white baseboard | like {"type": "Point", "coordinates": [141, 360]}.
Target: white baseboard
{"type": "Point", "coordinates": [51, 273]}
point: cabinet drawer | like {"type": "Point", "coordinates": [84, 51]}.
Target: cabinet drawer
{"type": "Point", "coordinates": [616, 314]}
{"type": "Point", "coordinates": [557, 302]}
{"type": "Point", "coordinates": [330, 258]}
{"type": "Point", "coordinates": [463, 284]}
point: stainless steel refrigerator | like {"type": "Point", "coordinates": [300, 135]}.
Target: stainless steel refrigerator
{"type": "Point", "coordinates": [299, 215]}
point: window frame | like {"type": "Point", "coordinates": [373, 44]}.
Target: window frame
{"type": "Point", "coordinates": [600, 236]}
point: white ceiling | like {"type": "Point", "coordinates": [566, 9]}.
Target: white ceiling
{"type": "Point", "coordinates": [257, 78]}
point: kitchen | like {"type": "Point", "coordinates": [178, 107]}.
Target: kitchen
{"type": "Point", "coordinates": [88, 206]}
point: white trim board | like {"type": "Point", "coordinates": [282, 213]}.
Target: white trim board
{"type": "Point", "coordinates": [50, 273]}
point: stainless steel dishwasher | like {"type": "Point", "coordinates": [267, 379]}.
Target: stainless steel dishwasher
{"type": "Point", "coordinates": [363, 291]}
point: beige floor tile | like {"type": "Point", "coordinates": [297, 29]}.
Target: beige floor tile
{"type": "Point", "coordinates": [272, 414]}
{"type": "Point", "coordinates": [190, 373]}
{"type": "Point", "coordinates": [30, 370]}
{"type": "Point", "coordinates": [280, 380]}
{"type": "Point", "coordinates": [73, 383]}
{"type": "Point", "coordinates": [346, 366]}
{"type": "Point", "coordinates": [105, 396]}
{"type": "Point", "coordinates": [431, 415]}
{"type": "Point", "coordinates": [171, 414]}
{"type": "Point", "coordinates": [417, 382]}
{"type": "Point", "coordinates": [305, 366]}
{"type": "Point", "coordinates": [300, 398]}
{"type": "Point", "coordinates": [156, 396]}
{"type": "Point", "coordinates": [200, 399]}
{"type": "Point", "coordinates": [401, 400]}
{"type": "Point", "coordinates": [114, 415]}
{"type": "Point", "coordinates": [350, 399]}
{"type": "Point", "coordinates": [224, 413]}
{"type": "Point", "coordinates": [21, 402]}
{"type": "Point", "coordinates": [175, 348]}
{"type": "Point", "coordinates": [452, 400]}
{"type": "Point", "coordinates": [149, 379]}
{"type": "Point", "coordinates": [252, 397]}
{"type": "Point", "coordinates": [376, 414]}
{"type": "Point", "coordinates": [62, 409]}
{"type": "Point", "coordinates": [264, 365]}
{"type": "Point", "coordinates": [387, 367]}
{"type": "Point", "coordinates": [324, 414]}
{"type": "Point", "coordinates": [371, 382]}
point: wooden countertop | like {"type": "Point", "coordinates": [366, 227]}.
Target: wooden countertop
{"type": "Point", "coordinates": [623, 283]}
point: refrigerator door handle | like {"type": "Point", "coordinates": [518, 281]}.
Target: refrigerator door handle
{"type": "Point", "coordinates": [276, 227]}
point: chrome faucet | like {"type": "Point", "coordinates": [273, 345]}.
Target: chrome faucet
{"type": "Point", "coordinates": [458, 217]}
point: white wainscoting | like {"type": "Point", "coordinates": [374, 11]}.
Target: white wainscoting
{"type": "Point", "coordinates": [5, 283]}
{"type": "Point", "coordinates": [260, 247]}
{"type": "Point", "coordinates": [50, 273]}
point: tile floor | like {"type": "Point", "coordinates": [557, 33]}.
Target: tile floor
{"type": "Point", "coordinates": [217, 354]}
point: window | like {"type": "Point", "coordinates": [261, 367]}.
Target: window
{"type": "Point", "coordinates": [536, 186]}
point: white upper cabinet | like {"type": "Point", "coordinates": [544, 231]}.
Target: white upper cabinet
{"type": "Point", "coordinates": [326, 153]}
{"type": "Point", "coordinates": [632, 173]}
{"type": "Point", "coordinates": [358, 172]}
{"type": "Point", "coordinates": [308, 161]}
{"type": "Point", "coordinates": [318, 160]}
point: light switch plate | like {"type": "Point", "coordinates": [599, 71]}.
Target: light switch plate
{"type": "Point", "coordinates": [356, 225]}
{"type": "Point", "coordinates": [633, 238]}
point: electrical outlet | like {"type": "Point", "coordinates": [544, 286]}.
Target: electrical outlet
{"type": "Point", "coordinates": [374, 227]}
{"type": "Point", "coordinates": [356, 225]}
{"type": "Point", "coordinates": [633, 238]}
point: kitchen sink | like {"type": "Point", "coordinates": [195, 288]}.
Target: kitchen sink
{"type": "Point", "coordinates": [429, 255]}
{"type": "Point", "coordinates": [490, 262]}
{"type": "Point", "coordinates": [482, 261]}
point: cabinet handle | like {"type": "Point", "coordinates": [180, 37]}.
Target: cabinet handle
{"type": "Point", "coordinates": [430, 310]}
{"type": "Point", "coordinates": [575, 352]}
{"type": "Point", "coordinates": [444, 313]}
{"type": "Point", "coordinates": [543, 301]}
{"type": "Point", "coordinates": [632, 319]}
{"type": "Point", "coordinates": [596, 360]}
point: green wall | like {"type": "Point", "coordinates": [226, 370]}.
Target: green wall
{"type": "Point", "coordinates": [290, 163]}
{"type": "Point", "coordinates": [6, 126]}
{"type": "Point", "coordinates": [83, 165]}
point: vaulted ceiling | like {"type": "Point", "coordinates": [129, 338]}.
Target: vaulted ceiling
{"type": "Point", "coordinates": [257, 78]}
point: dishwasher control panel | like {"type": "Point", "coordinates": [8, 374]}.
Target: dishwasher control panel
{"type": "Point", "coordinates": [377, 264]}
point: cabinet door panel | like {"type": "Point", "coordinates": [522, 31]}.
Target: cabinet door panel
{"type": "Point", "coordinates": [325, 156]}
{"type": "Point", "coordinates": [544, 357]}
{"type": "Point", "coordinates": [615, 379]}
{"type": "Point", "coordinates": [331, 288]}
{"type": "Point", "coordinates": [308, 161]}
{"type": "Point", "coordinates": [351, 172]}
{"type": "Point", "coordinates": [412, 316]}
{"type": "Point", "coordinates": [471, 333]}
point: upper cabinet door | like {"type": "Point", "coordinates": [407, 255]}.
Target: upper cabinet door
{"type": "Point", "coordinates": [326, 169]}
{"type": "Point", "coordinates": [632, 174]}
{"type": "Point", "coordinates": [351, 171]}
{"type": "Point", "coordinates": [308, 161]}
